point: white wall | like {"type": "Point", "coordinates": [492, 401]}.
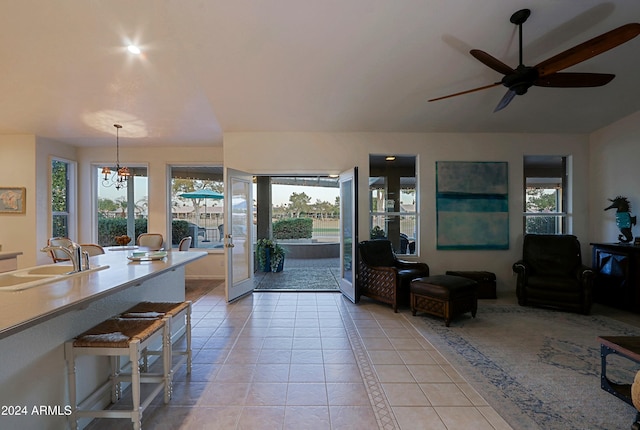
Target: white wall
{"type": "Point", "coordinates": [325, 153]}
{"type": "Point", "coordinates": [615, 153]}
{"type": "Point", "coordinates": [17, 232]}
{"type": "Point", "coordinates": [26, 163]}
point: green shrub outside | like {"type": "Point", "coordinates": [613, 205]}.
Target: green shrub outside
{"type": "Point", "coordinates": [179, 229]}
{"type": "Point", "coordinates": [109, 228]}
{"type": "Point", "coordinates": [293, 228]}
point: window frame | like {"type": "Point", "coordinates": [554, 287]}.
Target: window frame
{"type": "Point", "coordinates": [377, 170]}
{"type": "Point", "coordinates": [550, 168]}
{"type": "Point", "coordinates": [71, 212]}
{"type": "Point", "coordinates": [197, 174]}
{"type": "Point", "coordinates": [97, 177]}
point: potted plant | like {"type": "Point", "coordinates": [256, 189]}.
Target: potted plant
{"type": "Point", "coordinates": [377, 233]}
{"type": "Point", "coordinates": [270, 255]}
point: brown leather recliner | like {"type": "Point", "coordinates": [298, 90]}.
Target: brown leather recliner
{"type": "Point", "coordinates": [551, 273]}
{"type": "Point", "coordinates": [384, 277]}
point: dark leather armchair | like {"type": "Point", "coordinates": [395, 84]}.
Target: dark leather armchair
{"type": "Point", "coordinates": [551, 273]}
{"type": "Point", "coordinates": [382, 276]}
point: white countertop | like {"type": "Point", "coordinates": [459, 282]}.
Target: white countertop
{"type": "Point", "coordinates": [22, 309]}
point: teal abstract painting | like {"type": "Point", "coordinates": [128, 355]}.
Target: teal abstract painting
{"type": "Point", "coordinates": [472, 205]}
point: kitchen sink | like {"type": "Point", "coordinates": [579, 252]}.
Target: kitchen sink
{"type": "Point", "coordinates": [39, 275]}
{"type": "Point", "coordinates": [51, 269]}
{"type": "Point", "coordinates": [7, 281]}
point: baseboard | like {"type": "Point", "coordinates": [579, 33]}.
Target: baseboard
{"type": "Point", "coordinates": [204, 278]}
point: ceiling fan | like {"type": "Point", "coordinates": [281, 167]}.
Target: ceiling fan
{"type": "Point", "coordinates": [545, 74]}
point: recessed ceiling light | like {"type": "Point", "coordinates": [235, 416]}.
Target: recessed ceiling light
{"type": "Point", "coordinates": [133, 49]}
{"type": "Point", "coordinates": [390, 158]}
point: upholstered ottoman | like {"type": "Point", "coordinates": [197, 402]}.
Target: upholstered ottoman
{"type": "Point", "coordinates": [444, 295]}
{"type": "Point", "coordinates": [486, 282]}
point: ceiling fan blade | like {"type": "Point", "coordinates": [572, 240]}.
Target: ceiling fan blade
{"type": "Point", "coordinates": [506, 99]}
{"type": "Point", "coordinates": [491, 61]}
{"type": "Point", "coordinates": [588, 49]}
{"type": "Point", "coordinates": [495, 84]}
{"type": "Point", "coordinates": [574, 80]}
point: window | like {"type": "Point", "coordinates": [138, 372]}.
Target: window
{"type": "Point", "coordinates": [61, 196]}
{"type": "Point", "coordinates": [545, 194]}
{"type": "Point", "coordinates": [393, 201]}
{"type": "Point", "coordinates": [123, 211]}
{"type": "Point", "coordinates": [197, 216]}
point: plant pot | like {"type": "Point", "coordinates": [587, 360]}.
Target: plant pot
{"type": "Point", "coordinates": [267, 263]}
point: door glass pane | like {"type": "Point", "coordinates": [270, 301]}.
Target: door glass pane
{"type": "Point", "coordinates": [239, 229]}
{"type": "Point", "coordinates": [346, 197]}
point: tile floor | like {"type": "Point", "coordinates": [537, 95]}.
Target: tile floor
{"type": "Point", "coordinates": [312, 361]}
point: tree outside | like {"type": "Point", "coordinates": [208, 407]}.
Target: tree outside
{"type": "Point", "coordinates": [59, 201]}
{"type": "Point", "coordinates": [543, 200]}
{"type": "Point", "coordinates": [180, 186]}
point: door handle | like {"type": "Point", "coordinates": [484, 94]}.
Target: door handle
{"type": "Point", "coordinates": [229, 240]}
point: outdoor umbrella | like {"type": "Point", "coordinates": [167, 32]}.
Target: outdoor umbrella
{"type": "Point", "coordinates": [203, 194]}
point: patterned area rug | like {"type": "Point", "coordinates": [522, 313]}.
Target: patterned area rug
{"type": "Point", "coordinates": [539, 369]}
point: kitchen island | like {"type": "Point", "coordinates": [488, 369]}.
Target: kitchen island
{"type": "Point", "coordinates": [35, 323]}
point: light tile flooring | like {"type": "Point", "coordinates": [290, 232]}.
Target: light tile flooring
{"type": "Point", "coordinates": [313, 361]}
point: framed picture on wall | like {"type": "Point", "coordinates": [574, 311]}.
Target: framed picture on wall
{"type": "Point", "coordinates": [13, 200]}
{"type": "Point", "coordinates": [472, 205]}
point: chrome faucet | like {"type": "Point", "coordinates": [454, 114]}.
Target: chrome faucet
{"type": "Point", "coordinates": [75, 255]}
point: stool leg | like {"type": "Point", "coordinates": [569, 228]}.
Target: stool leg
{"type": "Point", "coordinates": [145, 360]}
{"type": "Point", "coordinates": [167, 359]}
{"type": "Point", "coordinates": [188, 329]}
{"type": "Point", "coordinates": [134, 356]}
{"type": "Point", "coordinates": [116, 387]}
{"type": "Point", "coordinates": [71, 380]}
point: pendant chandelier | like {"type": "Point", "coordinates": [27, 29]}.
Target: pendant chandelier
{"type": "Point", "coordinates": [117, 179]}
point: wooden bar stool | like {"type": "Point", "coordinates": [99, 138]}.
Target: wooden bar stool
{"type": "Point", "coordinates": [114, 338]}
{"type": "Point", "coordinates": [174, 311]}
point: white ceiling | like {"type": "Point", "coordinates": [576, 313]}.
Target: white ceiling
{"type": "Point", "coordinates": [215, 66]}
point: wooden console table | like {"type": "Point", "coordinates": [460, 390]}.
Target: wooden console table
{"type": "Point", "coordinates": [617, 282]}
{"type": "Point", "coordinates": [624, 346]}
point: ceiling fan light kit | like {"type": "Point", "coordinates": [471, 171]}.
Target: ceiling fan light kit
{"type": "Point", "coordinates": [546, 74]}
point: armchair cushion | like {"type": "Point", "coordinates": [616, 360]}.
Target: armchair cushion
{"type": "Point", "coordinates": [378, 253]}
{"type": "Point", "coordinates": [552, 255]}
{"type": "Point", "coordinates": [551, 273]}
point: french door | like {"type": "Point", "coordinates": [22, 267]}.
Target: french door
{"type": "Point", "coordinates": [349, 234]}
{"type": "Point", "coordinates": [238, 233]}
